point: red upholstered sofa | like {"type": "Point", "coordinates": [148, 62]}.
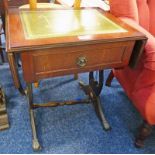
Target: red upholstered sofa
{"type": "Point", "coordinates": [139, 83]}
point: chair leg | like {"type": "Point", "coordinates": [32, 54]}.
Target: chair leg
{"type": "Point", "coordinates": [1, 51]}
{"type": "Point", "coordinates": [2, 56]}
{"type": "Point", "coordinates": [145, 131]}
{"type": "Point", "coordinates": [75, 76]}
{"type": "Point", "coordinates": [109, 79]}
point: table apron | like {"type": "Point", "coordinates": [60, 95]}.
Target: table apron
{"type": "Point", "coordinates": [45, 63]}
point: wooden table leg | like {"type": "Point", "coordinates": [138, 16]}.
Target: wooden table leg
{"type": "Point", "coordinates": [4, 124]}
{"type": "Point", "coordinates": [14, 72]}
{"type": "Point", "coordinates": [35, 143]}
{"type": "Point", "coordinates": [93, 90]}
{"type": "Point", "coordinates": [109, 79]}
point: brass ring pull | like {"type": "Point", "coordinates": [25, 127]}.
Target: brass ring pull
{"type": "Point", "coordinates": [81, 61]}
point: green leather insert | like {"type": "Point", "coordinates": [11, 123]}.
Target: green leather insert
{"type": "Point", "coordinates": [59, 23]}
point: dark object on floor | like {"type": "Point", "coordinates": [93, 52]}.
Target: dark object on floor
{"type": "Point", "coordinates": [3, 113]}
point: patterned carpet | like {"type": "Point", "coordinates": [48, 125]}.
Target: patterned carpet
{"type": "Point", "coordinates": [70, 129]}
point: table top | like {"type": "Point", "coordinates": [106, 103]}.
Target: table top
{"type": "Point", "coordinates": [46, 28]}
{"type": "Point", "coordinates": [76, 23]}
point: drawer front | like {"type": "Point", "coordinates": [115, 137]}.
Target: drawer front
{"type": "Point", "coordinates": [74, 59]}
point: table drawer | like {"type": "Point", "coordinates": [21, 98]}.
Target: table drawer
{"type": "Point", "coordinates": [75, 59]}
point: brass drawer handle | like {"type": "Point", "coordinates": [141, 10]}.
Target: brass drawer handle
{"type": "Point", "coordinates": [81, 61]}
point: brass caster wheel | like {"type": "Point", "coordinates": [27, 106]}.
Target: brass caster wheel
{"type": "Point", "coordinates": [107, 127]}
{"type": "Point", "coordinates": [35, 145]}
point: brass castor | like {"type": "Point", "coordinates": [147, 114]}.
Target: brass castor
{"type": "Point", "coordinates": [35, 145]}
